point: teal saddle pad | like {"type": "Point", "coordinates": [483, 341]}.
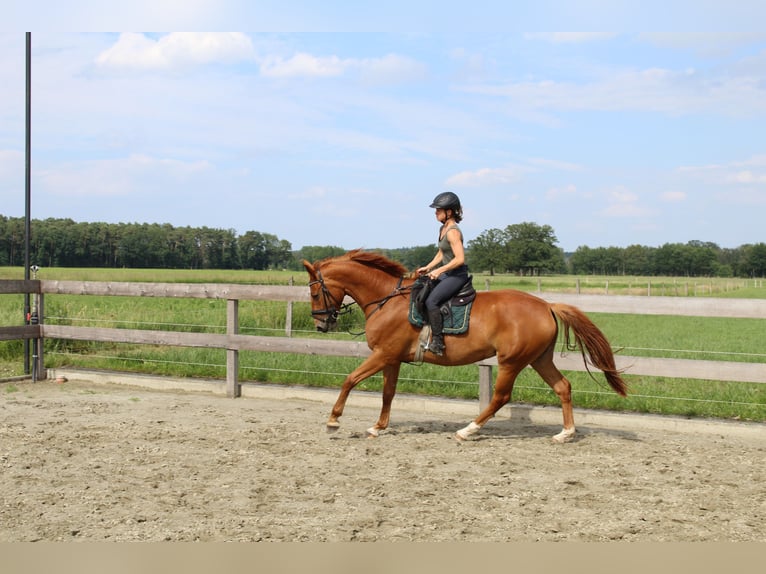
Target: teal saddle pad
{"type": "Point", "coordinates": [455, 323]}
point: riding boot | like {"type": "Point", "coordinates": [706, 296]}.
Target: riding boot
{"type": "Point", "coordinates": [437, 325]}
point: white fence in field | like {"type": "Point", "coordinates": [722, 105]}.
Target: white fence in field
{"type": "Point", "coordinates": [233, 341]}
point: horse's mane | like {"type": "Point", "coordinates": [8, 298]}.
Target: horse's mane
{"type": "Point", "coordinates": [372, 259]}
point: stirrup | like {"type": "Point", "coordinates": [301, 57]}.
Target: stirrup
{"type": "Point", "coordinates": [436, 347]}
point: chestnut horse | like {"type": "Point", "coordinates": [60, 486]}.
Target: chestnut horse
{"type": "Point", "coordinates": [518, 327]}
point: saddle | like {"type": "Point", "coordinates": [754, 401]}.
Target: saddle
{"type": "Point", "coordinates": [456, 310]}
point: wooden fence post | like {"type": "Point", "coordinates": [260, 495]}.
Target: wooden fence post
{"type": "Point", "coordinates": [40, 373]}
{"type": "Point", "coordinates": [289, 315]}
{"type": "Point", "coordinates": [289, 320]}
{"type": "Point", "coordinates": [233, 388]}
{"type": "Point", "coordinates": [485, 385]}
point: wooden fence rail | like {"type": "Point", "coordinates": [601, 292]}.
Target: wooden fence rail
{"type": "Point", "coordinates": [233, 342]}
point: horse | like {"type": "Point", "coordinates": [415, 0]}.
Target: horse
{"type": "Point", "coordinates": [518, 327]}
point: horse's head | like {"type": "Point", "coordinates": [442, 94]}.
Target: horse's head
{"type": "Point", "coordinates": [364, 276]}
{"type": "Point", "coordinates": [326, 298]}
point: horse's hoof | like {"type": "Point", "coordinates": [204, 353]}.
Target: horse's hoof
{"type": "Point", "coordinates": [372, 432]}
{"type": "Point", "coordinates": [467, 432]}
{"type": "Point", "coordinates": [332, 427]}
{"type": "Point", "coordinates": [458, 438]}
{"type": "Point", "coordinates": [565, 435]}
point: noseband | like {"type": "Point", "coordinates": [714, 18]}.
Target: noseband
{"type": "Point", "coordinates": [332, 307]}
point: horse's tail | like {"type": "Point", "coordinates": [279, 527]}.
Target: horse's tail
{"type": "Point", "coordinates": [588, 337]}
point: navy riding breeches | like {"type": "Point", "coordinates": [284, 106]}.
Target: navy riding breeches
{"type": "Point", "coordinates": [448, 285]}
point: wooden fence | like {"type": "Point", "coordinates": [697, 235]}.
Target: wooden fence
{"type": "Point", "coordinates": [233, 342]}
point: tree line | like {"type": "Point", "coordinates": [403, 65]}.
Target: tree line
{"type": "Point", "coordinates": [523, 248]}
{"type": "Point", "coordinates": [66, 243]}
{"type": "Point", "coordinates": [530, 249]}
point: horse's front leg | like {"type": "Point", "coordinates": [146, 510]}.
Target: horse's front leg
{"type": "Point", "coordinates": [390, 378]}
{"type": "Point", "coordinates": [369, 367]}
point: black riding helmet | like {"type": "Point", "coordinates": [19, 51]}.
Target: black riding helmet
{"type": "Point", "coordinates": [447, 200]}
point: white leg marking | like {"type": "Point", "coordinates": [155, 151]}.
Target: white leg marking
{"type": "Point", "coordinates": [372, 432]}
{"type": "Point", "coordinates": [564, 436]}
{"type": "Point", "coordinates": [468, 431]}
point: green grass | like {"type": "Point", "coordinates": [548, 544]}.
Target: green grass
{"type": "Point", "coordinates": [708, 338]}
{"type": "Point", "coordinates": [638, 335]}
{"type": "Point", "coordinates": [161, 275]}
{"type": "Point", "coordinates": [624, 285]}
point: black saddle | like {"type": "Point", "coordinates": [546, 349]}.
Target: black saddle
{"type": "Point", "coordinates": [422, 288]}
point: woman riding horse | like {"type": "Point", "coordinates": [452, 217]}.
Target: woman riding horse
{"type": "Point", "coordinates": [448, 266]}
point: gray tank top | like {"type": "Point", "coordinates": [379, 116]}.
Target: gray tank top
{"type": "Point", "coordinates": [446, 248]}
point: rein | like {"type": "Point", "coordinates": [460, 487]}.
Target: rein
{"type": "Point", "coordinates": [398, 290]}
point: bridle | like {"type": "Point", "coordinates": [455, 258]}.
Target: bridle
{"type": "Point", "coordinates": [332, 307]}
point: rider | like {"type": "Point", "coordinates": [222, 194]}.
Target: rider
{"type": "Point", "coordinates": [447, 267]}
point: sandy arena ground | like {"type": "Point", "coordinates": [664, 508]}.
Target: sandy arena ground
{"type": "Point", "coordinates": [93, 462]}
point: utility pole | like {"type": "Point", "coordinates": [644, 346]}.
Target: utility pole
{"type": "Point", "coordinates": [28, 195]}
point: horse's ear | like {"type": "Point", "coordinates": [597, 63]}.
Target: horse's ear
{"type": "Point", "coordinates": [310, 268]}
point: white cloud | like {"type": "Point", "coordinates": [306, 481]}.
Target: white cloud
{"type": "Point", "coordinates": [390, 68]}
{"type": "Point", "coordinates": [303, 65]}
{"type": "Point", "coordinates": [625, 210]}
{"type": "Point", "coordinates": [743, 196]}
{"type": "Point", "coordinates": [561, 192]}
{"type": "Point", "coordinates": [747, 177]}
{"type": "Point", "coordinates": [555, 164]}
{"type": "Point", "coordinates": [137, 51]}
{"type": "Point", "coordinates": [707, 44]}
{"type": "Point", "coordinates": [487, 176]}
{"type": "Point", "coordinates": [360, 191]}
{"type": "Point", "coordinates": [314, 192]}
{"type": "Point", "coordinates": [622, 195]}
{"type": "Point", "coordinates": [571, 37]}
{"type": "Point", "coordinates": [624, 203]}
{"type": "Point", "coordinates": [122, 176]}
{"type": "Point", "coordinates": [663, 90]}
{"type": "Point", "coordinates": [745, 172]}
{"type": "Point", "coordinates": [673, 196]}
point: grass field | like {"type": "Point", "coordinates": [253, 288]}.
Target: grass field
{"type": "Point", "coordinates": [636, 335]}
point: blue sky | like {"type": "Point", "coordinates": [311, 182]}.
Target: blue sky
{"type": "Point", "coordinates": [343, 138]}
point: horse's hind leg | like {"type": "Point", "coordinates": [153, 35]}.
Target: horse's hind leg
{"type": "Point", "coordinates": [390, 378]}
{"type": "Point", "coordinates": [563, 389]}
{"type": "Point", "coordinates": [506, 377]}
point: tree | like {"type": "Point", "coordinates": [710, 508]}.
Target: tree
{"type": "Point", "coordinates": [314, 253]}
{"type": "Point", "coordinates": [637, 260]}
{"type": "Point", "coordinates": [755, 260]}
{"type": "Point", "coordinates": [412, 257]}
{"type": "Point", "coordinates": [488, 251]}
{"type": "Point", "coordinates": [531, 249]}
{"type": "Point", "coordinates": [5, 247]}
{"type": "Point", "coordinates": [583, 261]}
